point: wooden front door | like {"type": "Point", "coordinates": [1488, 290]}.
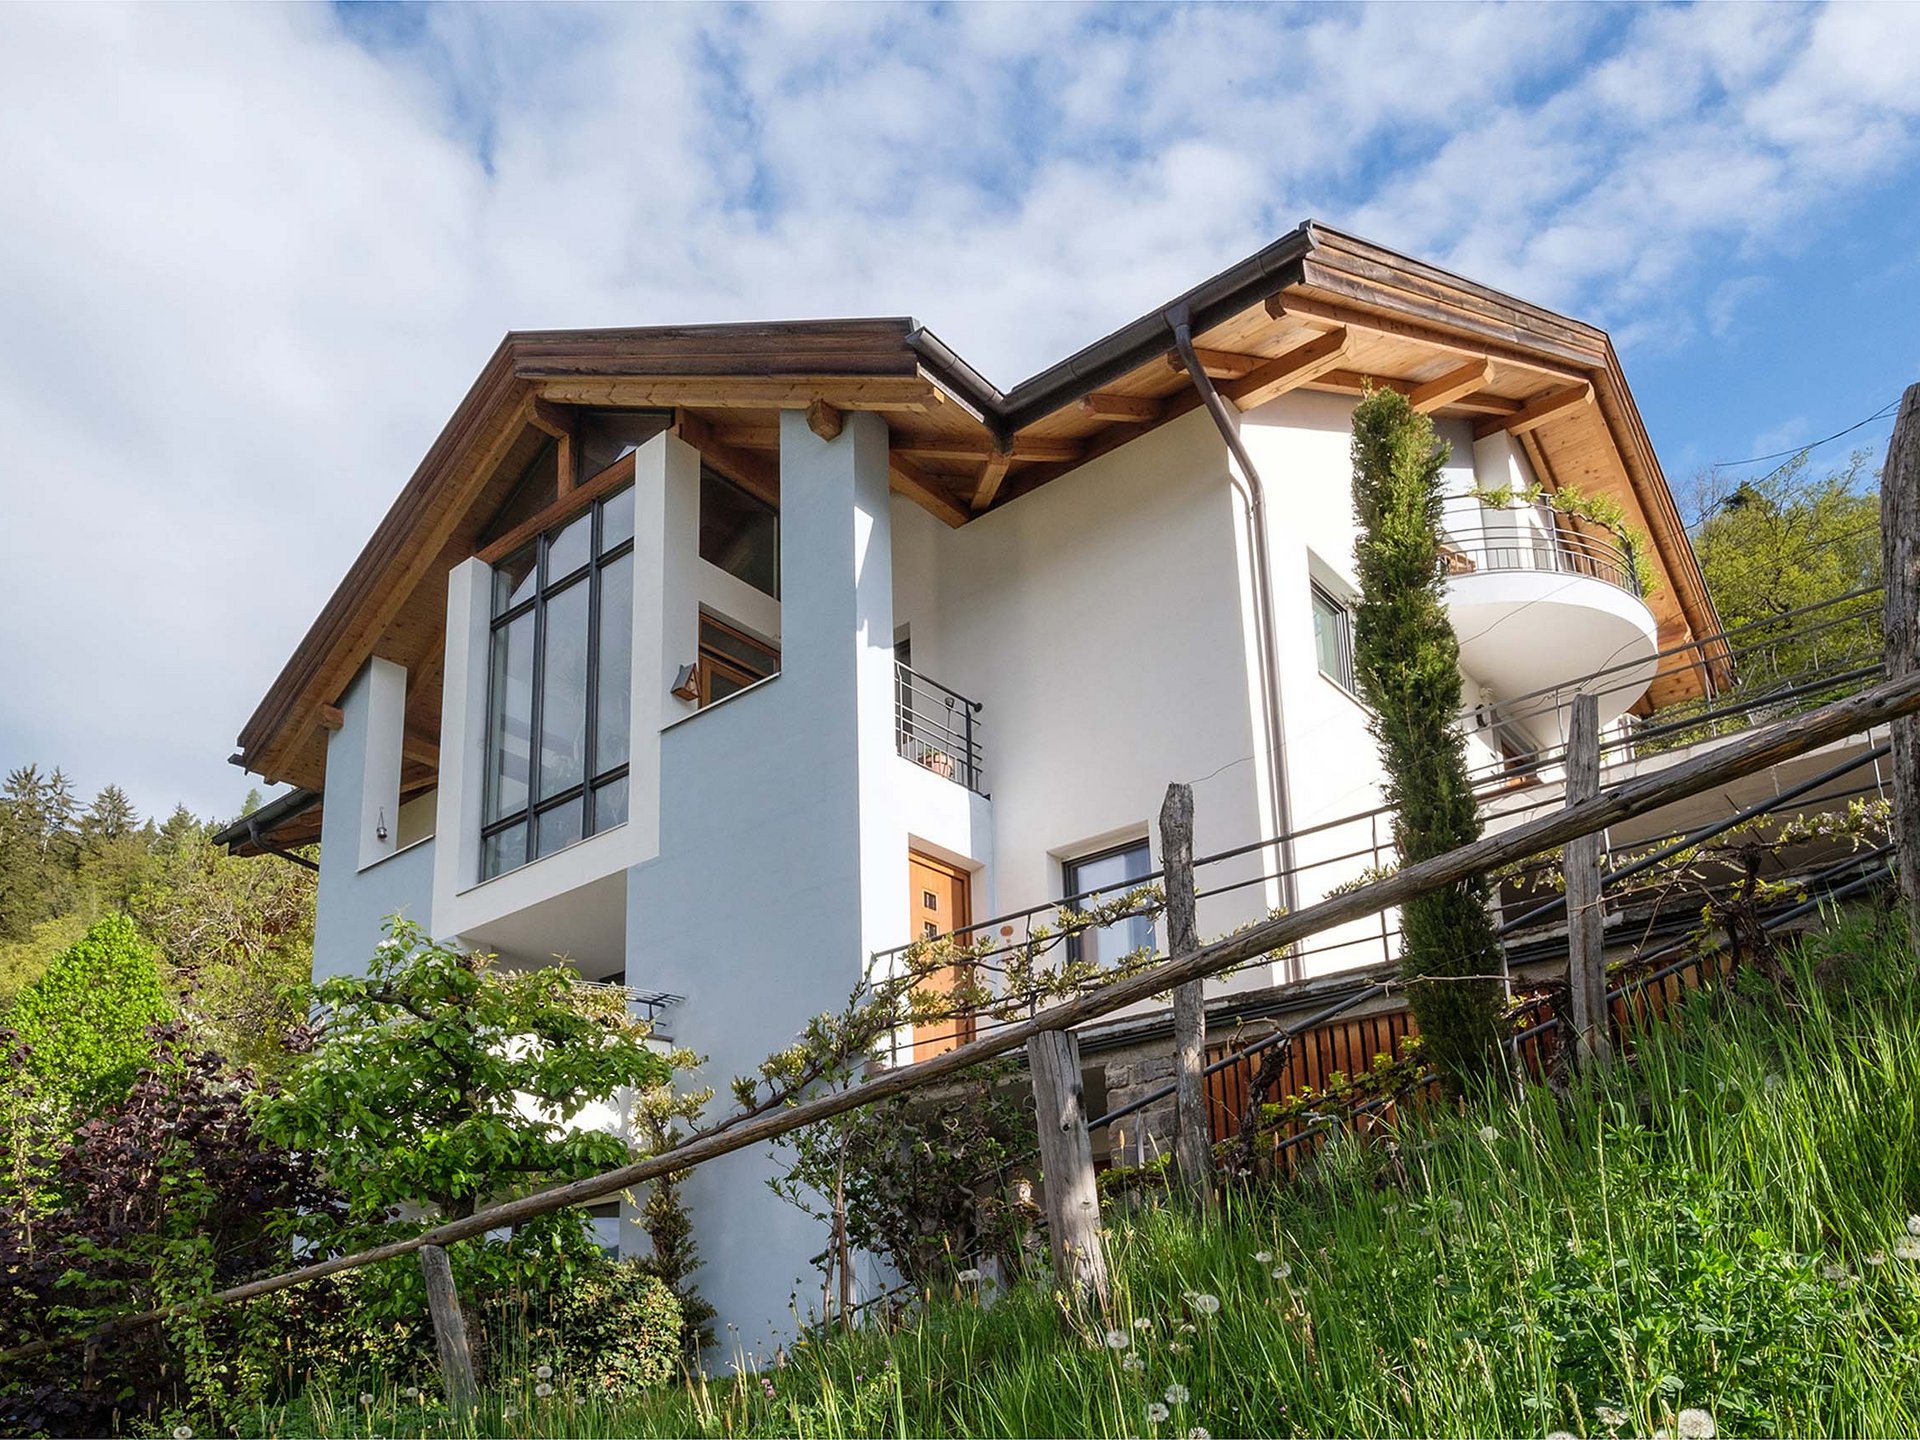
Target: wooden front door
{"type": "Point", "coordinates": [940, 903]}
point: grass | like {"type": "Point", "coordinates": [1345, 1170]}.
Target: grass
{"type": "Point", "coordinates": [1720, 1226]}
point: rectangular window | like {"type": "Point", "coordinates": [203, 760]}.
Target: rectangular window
{"type": "Point", "coordinates": [731, 660]}
{"type": "Point", "coordinates": [559, 689]}
{"type": "Point", "coordinates": [1094, 880]}
{"type": "Point", "coordinates": [739, 532]}
{"type": "Point", "coordinates": [1333, 638]}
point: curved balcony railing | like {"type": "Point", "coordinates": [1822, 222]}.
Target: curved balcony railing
{"type": "Point", "coordinates": [1553, 547]}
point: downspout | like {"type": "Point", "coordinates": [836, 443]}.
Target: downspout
{"type": "Point", "coordinates": [261, 842]}
{"type": "Point", "coordinates": [1253, 499]}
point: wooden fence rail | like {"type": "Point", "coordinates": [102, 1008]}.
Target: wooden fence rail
{"type": "Point", "coordinates": [1747, 755]}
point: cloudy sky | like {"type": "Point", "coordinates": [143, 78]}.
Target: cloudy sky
{"type": "Point", "coordinates": [251, 256]}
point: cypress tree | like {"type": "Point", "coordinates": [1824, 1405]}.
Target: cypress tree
{"type": "Point", "coordinates": [1407, 664]}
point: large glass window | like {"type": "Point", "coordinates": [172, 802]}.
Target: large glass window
{"type": "Point", "coordinates": [1094, 880]}
{"type": "Point", "coordinates": [559, 689]}
{"type": "Point", "coordinates": [1333, 638]}
{"type": "Point", "coordinates": [739, 532]}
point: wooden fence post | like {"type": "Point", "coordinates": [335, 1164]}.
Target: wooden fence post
{"type": "Point", "coordinates": [1192, 1134]}
{"type": "Point", "coordinates": [1066, 1162]}
{"type": "Point", "coordinates": [1900, 553]}
{"type": "Point", "coordinates": [1580, 865]}
{"type": "Point", "coordinates": [449, 1328]}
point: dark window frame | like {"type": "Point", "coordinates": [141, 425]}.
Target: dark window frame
{"type": "Point", "coordinates": [1074, 892]}
{"type": "Point", "coordinates": [545, 589]}
{"type": "Point", "coordinates": [713, 661]}
{"type": "Point", "coordinates": [1348, 680]}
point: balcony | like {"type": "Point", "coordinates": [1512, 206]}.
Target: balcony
{"type": "Point", "coordinates": [938, 729]}
{"type": "Point", "coordinates": [1537, 604]}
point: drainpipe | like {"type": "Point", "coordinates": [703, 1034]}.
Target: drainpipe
{"type": "Point", "coordinates": [1253, 499]}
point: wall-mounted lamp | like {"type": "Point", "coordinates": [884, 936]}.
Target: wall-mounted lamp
{"type": "Point", "coordinates": [380, 830]}
{"type": "Point", "coordinates": [686, 685]}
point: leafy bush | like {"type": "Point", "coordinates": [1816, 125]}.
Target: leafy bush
{"type": "Point", "coordinates": [166, 1195]}
{"type": "Point", "coordinates": [85, 1021]}
{"type": "Point", "coordinates": [607, 1329]}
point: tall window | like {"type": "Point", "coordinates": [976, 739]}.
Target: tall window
{"type": "Point", "coordinates": [559, 692]}
{"type": "Point", "coordinates": [1100, 879]}
{"type": "Point", "coordinates": [1333, 637]}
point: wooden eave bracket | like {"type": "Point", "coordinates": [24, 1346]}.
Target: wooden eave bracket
{"type": "Point", "coordinates": [1219, 364]}
{"type": "Point", "coordinates": [991, 475]}
{"type": "Point", "coordinates": [913, 482]}
{"type": "Point", "coordinates": [1289, 371]}
{"type": "Point", "coordinates": [549, 418]}
{"type": "Point", "coordinates": [1457, 383]}
{"type": "Point", "coordinates": [1127, 409]}
{"type": "Point", "coordinates": [1538, 411]}
{"type": "Point", "coordinates": [824, 420]}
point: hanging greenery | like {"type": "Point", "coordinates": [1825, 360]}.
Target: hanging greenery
{"type": "Point", "coordinates": [1407, 663]}
{"type": "Point", "coordinates": [1600, 510]}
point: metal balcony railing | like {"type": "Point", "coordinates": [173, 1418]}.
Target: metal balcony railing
{"type": "Point", "coordinates": [1537, 539]}
{"type": "Point", "coordinates": [938, 728]}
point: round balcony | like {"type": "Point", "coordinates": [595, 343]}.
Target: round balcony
{"type": "Point", "coordinates": [1537, 605]}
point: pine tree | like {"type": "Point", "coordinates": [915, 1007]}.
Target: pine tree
{"type": "Point", "coordinates": [110, 817]}
{"type": "Point", "coordinates": [1407, 663]}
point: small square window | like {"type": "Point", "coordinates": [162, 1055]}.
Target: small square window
{"type": "Point", "coordinates": [929, 900]}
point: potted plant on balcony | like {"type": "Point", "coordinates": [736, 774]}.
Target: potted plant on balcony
{"type": "Point", "coordinates": [939, 762]}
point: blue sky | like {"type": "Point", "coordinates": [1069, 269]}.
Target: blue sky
{"type": "Point", "coordinates": [251, 256]}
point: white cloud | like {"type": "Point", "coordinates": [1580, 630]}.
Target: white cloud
{"type": "Point", "coordinates": [248, 262]}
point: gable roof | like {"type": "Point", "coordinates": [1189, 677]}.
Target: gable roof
{"type": "Point", "coordinates": [1316, 309]}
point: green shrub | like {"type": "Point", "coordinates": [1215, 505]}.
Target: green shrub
{"type": "Point", "coordinates": [85, 1020]}
{"type": "Point", "coordinates": [609, 1330]}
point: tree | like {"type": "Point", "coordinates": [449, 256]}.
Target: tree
{"type": "Point", "coordinates": [36, 849]}
{"type": "Point", "coordinates": [1407, 663]}
{"type": "Point", "coordinates": [85, 1021]}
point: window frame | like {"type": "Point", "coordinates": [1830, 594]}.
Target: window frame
{"type": "Point", "coordinates": [1072, 895]}
{"type": "Point", "coordinates": [712, 661]}
{"type": "Point", "coordinates": [592, 780]}
{"type": "Point", "coordinates": [1317, 595]}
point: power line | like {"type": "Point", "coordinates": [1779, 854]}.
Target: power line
{"type": "Point", "coordinates": [1882, 413]}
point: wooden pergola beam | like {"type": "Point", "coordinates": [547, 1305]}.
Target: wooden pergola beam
{"type": "Point", "coordinates": [991, 474]}
{"type": "Point", "coordinates": [1220, 364]}
{"type": "Point", "coordinates": [925, 491]}
{"type": "Point", "coordinates": [1289, 371]}
{"type": "Point", "coordinates": [1129, 409]}
{"type": "Point", "coordinates": [1538, 411]}
{"type": "Point", "coordinates": [1445, 389]}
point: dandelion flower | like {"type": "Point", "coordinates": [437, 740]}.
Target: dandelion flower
{"type": "Point", "coordinates": [1156, 1412]}
{"type": "Point", "coordinates": [1118, 1340]}
{"type": "Point", "coordinates": [183, 1432]}
{"type": "Point", "coordinates": [1176, 1394]}
{"type": "Point", "coordinates": [1833, 1272]}
{"type": "Point", "coordinates": [1207, 1304]}
{"type": "Point", "coordinates": [1906, 1249]}
{"type": "Point", "coordinates": [1143, 1323]}
{"type": "Point", "coordinates": [1489, 1134]}
{"type": "Point", "coordinates": [543, 1372]}
{"type": "Point", "coordinates": [1695, 1425]}
{"type": "Point", "coordinates": [1197, 1433]}
{"type": "Point", "coordinates": [1608, 1416]}
{"type": "Point", "coordinates": [1875, 1257]}
{"type": "Point", "coordinates": [968, 1277]}
{"type": "Point", "coordinates": [1263, 1257]}
{"type": "Point", "coordinates": [543, 1389]}
{"type": "Point", "coordinates": [1282, 1270]}
{"type": "Point", "coordinates": [1133, 1363]}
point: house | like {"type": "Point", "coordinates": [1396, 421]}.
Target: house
{"type": "Point", "coordinates": [712, 660]}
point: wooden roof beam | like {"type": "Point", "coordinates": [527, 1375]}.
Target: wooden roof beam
{"type": "Point", "coordinates": [1128, 409]}
{"type": "Point", "coordinates": [1220, 364]}
{"type": "Point", "coordinates": [898, 392]}
{"type": "Point", "coordinates": [1290, 371]}
{"type": "Point", "coordinates": [824, 420]}
{"type": "Point", "coordinates": [751, 471]}
{"type": "Point", "coordinates": [1320, 312]}
{"type": "Point", "coordinates": [1550, 405]}
{"type": "Point", "coordinates": [1024, 450]}
{"type": "Point", "coordinates": [549, 418]}
{"type": "Point", "coordinates": [925, 491]}
{"type": "Point", "coordinates": [991, 475]}
{"type": "Point", "coordinates": [1444, 389]}
{"type": "Point", "coordinates": [1353, 382]}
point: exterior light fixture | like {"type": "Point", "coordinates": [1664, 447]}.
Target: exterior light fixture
{"type": "Point", "coordinates": [686, 685]}
{"type": "Point", "coordinates": [380, 830]}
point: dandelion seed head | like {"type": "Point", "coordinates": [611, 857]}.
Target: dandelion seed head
{"type": "Point", "coordinates": [1608, 1416]}
{"type": "Point", "coordinates": [183, 1432]}
{"type": "Point", "coordinates": [1913, 1224]}
{"type": "Point", "coordinates": [1695, 1425]}
{"type": "Point", "coordinates": [1875, 1257]}
{"type": "Point", "coordinates": [1833, 1272]}
{"type": "Point", "coordinates": [1207, 1304]}
{"type": "Point", "coordinates": [1176, 1394]}
{"type": "Point", "coordinates": [1118, 1340]}
{"type": "Point", "coordinates": [412, 1392]}
{"type": "Point", "coordinates": [1143, 1323]}
{"type": "Point", "coordinates": [543, 1372]}
{"type": "Point", "coordinates": [968, 1276]}
{"type": "Point", "coordinates": [1187, 1327]}
{"type": "Point", "coordinates": [1178, 1347]}
{"type": "Point", "coordinates": [543, 1389]}
{"type": "Point", "coordinates": [1198, 1433]}
{"type": "Point", "coordinates": [1133, 1363]}
{"type": "Point", "coordinates": [1906, 1249]}
{"type": "Point", "coordinates": [1156, 1412]}
{"type": "Point", "coordinates": [1561, 1435]}
{"type": "Point", "coordinates": [1489, 1134]}
{"type": "Point", "coordinates": [365, 1398]}
{"type": "Point", "coordinates": [1263, 1257]}
{"type": "Point", "coordinates": [1282, 1270]}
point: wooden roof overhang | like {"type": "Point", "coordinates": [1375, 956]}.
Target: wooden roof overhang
{"type": "Point", "coordinates": [1316, 310]}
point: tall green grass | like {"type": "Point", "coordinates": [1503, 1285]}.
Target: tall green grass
{"type": "Point", "coordinates": [1719, 1226]}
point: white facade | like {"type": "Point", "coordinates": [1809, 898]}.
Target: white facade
{"type": "Point", "coordinates": [1107, 623]}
